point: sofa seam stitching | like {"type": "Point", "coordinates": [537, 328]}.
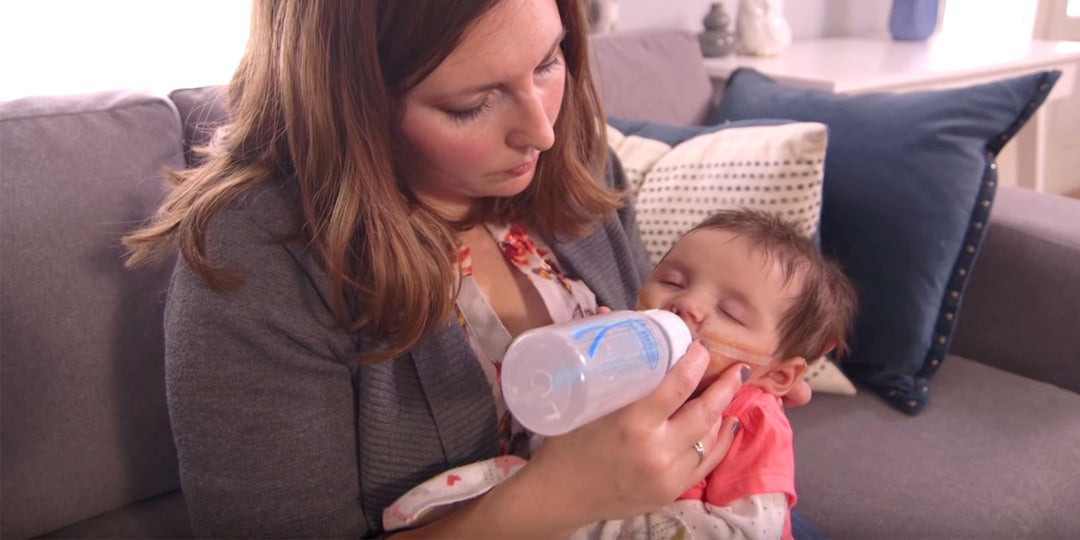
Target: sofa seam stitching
{"type": "Point", "coordinates": [146, 103]}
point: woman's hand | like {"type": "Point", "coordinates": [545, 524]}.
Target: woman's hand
{"type": "Point", "coordinates": [640, 457]}
{"type": "Point", "coordinates": [798, 396]}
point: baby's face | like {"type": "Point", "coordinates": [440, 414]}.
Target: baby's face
{"type": "Point", "coordinates": [727, 293]}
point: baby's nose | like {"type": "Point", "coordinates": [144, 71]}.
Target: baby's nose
{"type": "Point", "coordinates": [691, 322]}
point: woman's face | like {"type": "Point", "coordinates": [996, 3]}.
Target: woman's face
{"type": "Point", "coordinates": [475, 126]}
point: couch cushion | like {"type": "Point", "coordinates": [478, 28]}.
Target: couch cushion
{"type": "Point", "coordinates": [1022, 306]}
{"type": "Point", "coordinates": [653, 74]}
{"type": "Point", "coordinates": [164, 516]}
{"type": "Point", "coordinates": [82, 397]}
{"type": "Point", "coordinates": [682, 174]}
{"type": "Point", "coordinates": [909, 181]}
{"type": "Point", "coordinates": [994, 455]}
{"type": "Point", "coordinates": [202, 110]}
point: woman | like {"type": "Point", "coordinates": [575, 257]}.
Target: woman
{"type": "Point", "coordinates": [320, 357]}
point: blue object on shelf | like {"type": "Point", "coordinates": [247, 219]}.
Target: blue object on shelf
{"type": "Point", "coordinates": [913, 20]}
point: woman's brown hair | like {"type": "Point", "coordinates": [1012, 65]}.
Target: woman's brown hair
{"type": "Point", "coordinates": [314, 102]}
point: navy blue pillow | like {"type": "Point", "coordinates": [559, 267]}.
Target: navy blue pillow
{"type": "Point", "coordinates": [909, 182]}
{"type": "Point", "coordinates": [673, 134]}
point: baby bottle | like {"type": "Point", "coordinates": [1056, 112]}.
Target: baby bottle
{"type": "Point", "coordinates": [562, 376]}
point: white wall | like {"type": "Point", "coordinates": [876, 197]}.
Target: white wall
{"type": "Point", "coordinates": [73, 46]}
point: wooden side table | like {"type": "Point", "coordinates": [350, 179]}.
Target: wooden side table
{"type": "Point", "coordinates": [861, 65]}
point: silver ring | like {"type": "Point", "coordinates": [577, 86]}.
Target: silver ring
{"type": "Point", "coordinates": [699, 447]}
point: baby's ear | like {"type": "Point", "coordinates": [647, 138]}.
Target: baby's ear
{"type": "Point", "coordinates": [829, 346]}
{"type": "Point", "coordinates": [781, 378]}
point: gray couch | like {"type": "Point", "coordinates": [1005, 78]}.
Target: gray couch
{"type": "Point", "coordinates": [86, 444]}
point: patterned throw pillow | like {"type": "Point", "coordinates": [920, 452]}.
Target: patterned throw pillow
{"type": "Point", "coordinates": [682, 174]}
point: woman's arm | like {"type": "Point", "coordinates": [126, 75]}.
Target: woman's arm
{"type": "Point", "coordinates": [264, 412]}
{"type": "Point", "coordinates": [261, 404]}
{"type": "Point", "coordinates": [630, 462]}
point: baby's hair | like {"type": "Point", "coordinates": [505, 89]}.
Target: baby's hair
{"type": "Point", "coordinates": [820, 316]}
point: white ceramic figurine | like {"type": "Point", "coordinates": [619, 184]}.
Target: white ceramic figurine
{"type": "Point", "coordinates": [761, 28]}
{"type": "Point", "coordinates": [602, 15]}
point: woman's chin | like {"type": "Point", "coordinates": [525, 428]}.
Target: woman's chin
{"type": "Point", "coordinates": [513, 186]}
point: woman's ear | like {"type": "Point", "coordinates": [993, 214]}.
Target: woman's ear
{"type": "Point", "coordinates": [779, 380]}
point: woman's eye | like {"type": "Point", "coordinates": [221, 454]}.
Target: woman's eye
{"type": "Point", "coordinates": [468, 115]}
{"type": "Point", "coordinates": [550, 65]}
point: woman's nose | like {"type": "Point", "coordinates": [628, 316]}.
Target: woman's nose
{"type": "Point", "coordinates": [532, 129]}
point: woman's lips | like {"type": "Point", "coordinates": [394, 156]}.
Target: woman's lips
{"type": "Point", "coordinates": [523, 168]}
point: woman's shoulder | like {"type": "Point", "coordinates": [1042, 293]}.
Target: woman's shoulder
{"type": "Point", "coordinates": [257, 237]}
{"type": "Point", "coordinates": [272, 277]}
{"type": "Point", "coordinates": [268, 209]}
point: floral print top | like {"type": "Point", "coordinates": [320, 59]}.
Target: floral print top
{"type": "Point", "coordinates": [563, 297]}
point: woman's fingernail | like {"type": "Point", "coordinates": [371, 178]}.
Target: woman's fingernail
{"type": "Point", "coordinates": [735, 427]}
{"type": "Point", "coordinates": [744, 372]}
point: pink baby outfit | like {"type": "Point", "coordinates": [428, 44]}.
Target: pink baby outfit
{"type": "Point", "coordinates": [761, 458]}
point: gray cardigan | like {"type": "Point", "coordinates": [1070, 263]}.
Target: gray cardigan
{"type": "Point", "coordinates": [278, 433]}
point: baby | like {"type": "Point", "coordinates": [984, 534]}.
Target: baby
{"type": "Point", "coordinates": [759, 293]}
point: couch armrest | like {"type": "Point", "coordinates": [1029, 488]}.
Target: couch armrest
{"type": "Point", "coordinates": [1021, 311]}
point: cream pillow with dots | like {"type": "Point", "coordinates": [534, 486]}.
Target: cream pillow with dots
{"type": "Point", "coordinates": [681, 175]}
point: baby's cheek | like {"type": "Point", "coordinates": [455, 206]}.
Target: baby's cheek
{"type": "Point", "coordinates": [647, 299]}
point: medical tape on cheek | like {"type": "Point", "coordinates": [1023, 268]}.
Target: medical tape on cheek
{"type": "Point", "coordinates": [736, 353]}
